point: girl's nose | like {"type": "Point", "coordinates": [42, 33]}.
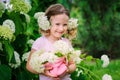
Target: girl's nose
{"type": "Point", "coordinates": [61, 28]}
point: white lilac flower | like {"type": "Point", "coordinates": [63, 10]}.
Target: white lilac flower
{"type": "Point", "coordinates": [79, 72]}
{"type": "Point", "coordinates": [38, 59]}
{"type": "Point", "coordinates": [38, 14]}
{"type": "Point", "coordinates": [72, 23]}
{"type": "Point", "coordinates": [75, 55]}
{"type": "Point", "coordinates": [62, 47]}
{"type": "Point", "coordinates": [106, 77]}
{"type": "Point", "coordinates": [25, 56]}
{"type": "Point", "coordinates": [42, 20]}
{"type": "Point", "coordinates": [27, 17]}
{"type": "Point", "coordinates": [17, 59]}
{"type": "Point", "coordinates": [28, 1]}
{"type": "Point", "coordinates": [48, 56]}
{"type": "Point", "coordinates": [5, 33]}
{"type": "Point", "coordinates": [1, 46]}
{"type": "Point", "coordinates": [105, 60]}
{"type": "Point", "coordinates": [8, 6]}
{"type": "Point", "coordinates": [20, 6]}
{"type": "Point", "coordinates": [36, 63]}
{"type": "Point", "coordinates": [31, 41]}
{"type": "Point", "coordinates": [2, 8]}
{"type": "Point", "coordinates": [10, 24]}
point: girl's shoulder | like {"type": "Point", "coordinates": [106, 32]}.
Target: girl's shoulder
{"type": "Point", "coordinates": [39, 42]}
{"type": "Point", "coordinates": [65, 39]}
{"type": "Point", "coordinates": [40, 39]}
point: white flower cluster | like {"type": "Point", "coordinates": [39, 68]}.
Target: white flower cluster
{"type": "Point", "coordinates": [79, 72]}
{"type": "Point", "coordinates": [42, 20]}
{"type": "Point", "coordinates": [106, 77]}
{"type": "Point", "coordinates": [67, 51]}
{"type": "Point", "coordinates": [31, 41]}
{"type": "Point", "coordinates": [7, 4]}
{"type": "Point", "coordinates": [105, 60]}
{"type": "Point", "coordinates": [76, 56]}
{"type": "Point", "coordinates": [27, 17]}
{"type": "Point", "coordinates": [62, 47]}
{"type": "Point", "coordinates": [38, 14]}
{"type": "Point", "coordinates": [5, 33]}
{"type": "Point", "coordinates": [39, 58]}
{"type": "Point", "coordinates": [72, 23]}
{"type": "Point", "coordinates": [7, 29]}
{"type": "Point", "coordinates": [10, 24]}
{"type": "Point", "coordinates": [25, 56]}
{"type": "Point", "coordinates": [17, 60]}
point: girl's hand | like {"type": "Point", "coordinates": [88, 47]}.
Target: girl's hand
{"type": "Point", "coordinates": [71, 66]}
{"type": "Point", "coordinates": [47, 73]}
{"type": "Point", "coordinates": [48, 67]}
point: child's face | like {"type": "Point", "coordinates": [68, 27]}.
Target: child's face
{"type": "Point", "coordinates": [59, 25]}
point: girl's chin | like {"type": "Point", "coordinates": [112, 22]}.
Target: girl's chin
{"type": "Point", "coordinates": [58, 36]}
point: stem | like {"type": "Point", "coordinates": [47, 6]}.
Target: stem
{"type": "Point", "coordinates": [92, 74]}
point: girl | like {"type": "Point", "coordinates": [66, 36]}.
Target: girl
{"type": "Point", "coordinates": [58, 17]}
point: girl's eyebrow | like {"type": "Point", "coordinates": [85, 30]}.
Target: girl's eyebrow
{"type": "Point", "coordinates": [65, 24]}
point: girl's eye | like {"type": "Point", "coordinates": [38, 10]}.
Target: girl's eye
{"type": "Point", "coordinates": [65, 25]}
{"type": "Point", "coordinates": [57, 24]}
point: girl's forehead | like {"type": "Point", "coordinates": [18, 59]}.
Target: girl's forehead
{"type": "Point", "coordinates": [60, 17]}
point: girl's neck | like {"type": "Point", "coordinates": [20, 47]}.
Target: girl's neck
{"type": "Point", "coordinates": [52, 39]}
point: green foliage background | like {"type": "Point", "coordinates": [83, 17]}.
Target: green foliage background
{"type": "Point", "coordinates": [98, 32]}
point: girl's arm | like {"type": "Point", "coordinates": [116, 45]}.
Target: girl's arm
{"type": "Point", "coordinates": [71, 66]}
{"type": "Point", "coordinates": [28, 67]}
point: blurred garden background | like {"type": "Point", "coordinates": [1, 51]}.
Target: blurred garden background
{"type": "Point", "coordinates": [98, 34]}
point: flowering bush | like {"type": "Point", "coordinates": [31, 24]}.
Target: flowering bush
{"type": "Point", "coordinates": [13, 40]}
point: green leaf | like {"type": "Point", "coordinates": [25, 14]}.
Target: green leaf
{"type": "Point", "coordinates": [5, 72]}
{"type": "Point", "coordinates": [24, 75]}
{"type": "Point", "coordinates": [82, 55]}
{"type": "Point", "coordinates": [9, 50]}
{"type": "Point", "coordinates": [89, 58]}
{"type": "Point", "coordinates": [59, 54]}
